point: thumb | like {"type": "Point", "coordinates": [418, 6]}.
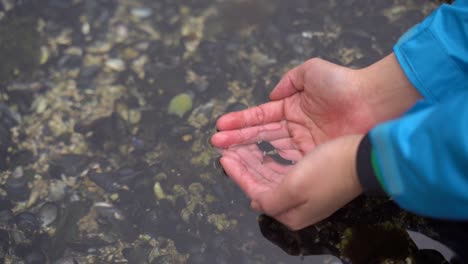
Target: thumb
{"type": "Point", "coordinates": [278, 200]}
{"type": "Point", "coordinates": [291, 83]}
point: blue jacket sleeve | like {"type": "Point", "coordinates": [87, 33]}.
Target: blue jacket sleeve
{"type": "Point", "coordinates": [423, 158]}
{"type": "Point", "coordinates": [434, 53]}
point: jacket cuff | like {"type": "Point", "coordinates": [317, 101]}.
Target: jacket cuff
{"type": "Point", "coordinates": [367, 169]}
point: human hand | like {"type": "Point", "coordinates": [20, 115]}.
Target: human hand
{"type": "Point", "coordinates": [318, 101]}
{"type": "Point", "coordinates": [303, 194]}
{"type": "Point", "coordinates": [314, 103]}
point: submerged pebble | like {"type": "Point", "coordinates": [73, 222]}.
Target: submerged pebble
{"type": "Point", "coordinates": [116, 64]}
{"type": "Point", "coordinates": [105, 181]}
{"type": "Point", "coordinates": [35, 257]}
{"type": "Point", "coordinates": [17, 185]}
{"type": "Point", "coordinates": [141, 12]}
{"type": "Point", "coordinates": [68, 165]}
{"type": "Point", "coordinates": [48, 214]}
{"type": "Point", "coordinates": [180, 104]}
{"type": "Point", "coordinates": [27, 223]}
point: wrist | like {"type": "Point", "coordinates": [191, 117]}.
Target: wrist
{"type": "Point", "coordinates": [367, 169]}
{"type": "Point", "coordinates": [352, 179]}
{"type": "Point", "coordinates": [386, 89]}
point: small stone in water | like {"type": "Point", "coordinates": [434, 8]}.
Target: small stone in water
{"type": "Point", "coordinates": [17, 186]}
{"type": "Point", "coordinates": [48, 214]}
{"type": "Point", "coordinates": [180, 104]}
{"type": "Point", "coordinates": [114, 196]}
{"type": "Point", "coordinates": [115, 64]}
{"type": "Point", "coordinates": [141, 12]}
{"type": "Point", "coordinates": [158, 191]}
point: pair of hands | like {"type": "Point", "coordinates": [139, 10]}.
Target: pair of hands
{"type": "Point", "coordinates": [317, 117]}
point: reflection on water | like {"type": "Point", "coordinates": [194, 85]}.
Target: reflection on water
{"type": "Point", "coordinates": [106, 110]}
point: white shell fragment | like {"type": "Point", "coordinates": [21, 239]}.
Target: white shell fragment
{"type": "Point", "coordinates": [115, 64]}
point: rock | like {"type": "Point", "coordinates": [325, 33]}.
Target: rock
{"type": "Point", "coordinates": [141, 12]}
{"type": "Point", "coordinates": [8, 119]}
{"type": "Point", "coordinates": [180, 104]}
{"type": "Point", "coordinates": [69, 165]}
{"type": "Point", "coordinates": [17, 186]}
{"type": "Point", "coordinates": [48, 214]}
{"type": "Point", "coordinates": [115, 64]}
{"type": "Point", "coordinates": [105, 181]}
{"type": "Point", "coordinates": [27, 223]}
{"type": "Point", "coordinates": [106, 133]}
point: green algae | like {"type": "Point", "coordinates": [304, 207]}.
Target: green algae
{"type": "Point", "coordinates": [180, 104]}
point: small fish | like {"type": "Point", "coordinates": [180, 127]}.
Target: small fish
{"type": "Point", "coordinates": [270, 151]}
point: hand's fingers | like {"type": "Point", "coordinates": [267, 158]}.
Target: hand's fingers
{"type": "Point", "coordinates": [275, 166]}
{"type": "Point", "coordinates": [287, 149]}
{"type": "Point", "coordinates": [284, 197]}
{"type": "Point", "coordinates": [265, 160]}
{"type": "Point", "coordinates": [256, 166]}
{"type": "Point", "coordinates": [291, 83]}
{"type": "Point", "coordinates": [250, 135]}
{"type": "Point", "coordinates": [260, 115]}
{"type": "Point", "coordinates": [243, 177]}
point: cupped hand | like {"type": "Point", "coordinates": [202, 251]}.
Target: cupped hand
{"type": "Point", "coordinates": [303, 194]}
{"type": "Point", "coordinates": [313, 103]}
{"type": "Point", "coordinates": [318, 101]}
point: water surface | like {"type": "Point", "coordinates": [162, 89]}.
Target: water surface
{"type": "Point", "coordinates": [107, 108]}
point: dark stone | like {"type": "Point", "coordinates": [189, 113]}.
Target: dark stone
{"type": "Point", "coordinates": [70, 165]}
{"type": "Point", "coordinates": [107, 133]}
{"type": "Point", "coordinates": [137, 255]}
{"type": "Point", "coordinates": [70, 61]}
{"type": "Point", "coordinates": [35, 257]}
{"type": "Point", "coordinates": [116, 221]}
{"type": "Point", "coordinates": [66, 260]}
{"type": "Point", "coordinates": [66, 229]}
{"type": "Point", "coordinates": [5, 204]}
{"type": "Point", "coordinates": [6, 217]}
{"type": "Point", "coordinates": [17, 188]}
{"type": "Point", "coordinates": [105, 181]}
{"type": "Point", "coordinates": [87, 75]}
{"type": "Point", "coordinates": [20, 158]}
{"type": "Point", "coordinates": [48, 213]}
{"type": "Point", "coordinates": [4, 243]}
{"type": "Point", "coordinates": [7, 120]}
{"type": "Point", "coordinates": [128, 175]}
{"type": "Point", "coordinates": [27, 223]}
{"type": "Point", "coordinates": [19, 47]}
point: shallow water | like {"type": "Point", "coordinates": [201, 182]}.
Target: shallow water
{"type": "Point", "coordinates": [107, 108]}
